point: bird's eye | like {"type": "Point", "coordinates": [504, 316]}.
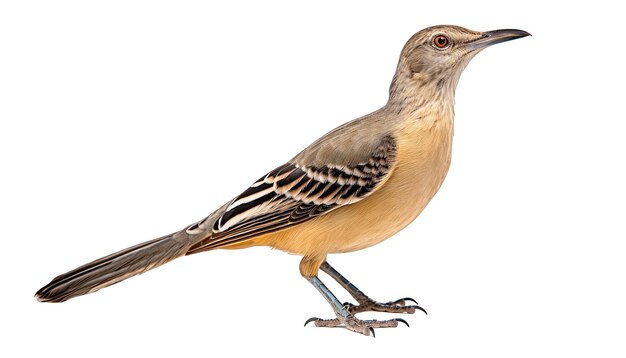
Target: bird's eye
{"type": "Point", "coordinates": [441, 41]}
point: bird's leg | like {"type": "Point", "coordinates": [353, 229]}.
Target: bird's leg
{"type": "Point", "coordinates": [345, 318]}
{"type": "Point", "coordinates": [366, 303]}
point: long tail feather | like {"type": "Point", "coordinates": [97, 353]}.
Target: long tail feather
{"type": "Point", "coordinates": [114, 268]}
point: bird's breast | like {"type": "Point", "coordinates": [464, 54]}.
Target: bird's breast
{"type": "Point", "coordinates": [424, 155]}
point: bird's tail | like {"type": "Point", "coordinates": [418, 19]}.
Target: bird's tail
{"type": "Point", "coordinates": [114, 268]}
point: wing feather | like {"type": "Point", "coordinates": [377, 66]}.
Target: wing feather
{"type": "Point", "coordinates": [292, 194]}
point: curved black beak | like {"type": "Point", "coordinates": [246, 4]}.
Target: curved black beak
{"type": "Point", "coordinates": [495, 37]}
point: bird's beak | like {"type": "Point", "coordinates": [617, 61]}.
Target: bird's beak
{"type": "Point", "coordinates": [495, 37]}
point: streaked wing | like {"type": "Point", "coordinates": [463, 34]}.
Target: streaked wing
{"type": "Point", "coordinates": [292, 194]}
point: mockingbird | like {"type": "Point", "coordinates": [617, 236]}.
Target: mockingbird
{"type": "Point", "coordinates": [356, 186]}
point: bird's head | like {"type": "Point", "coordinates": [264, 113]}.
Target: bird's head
{"type": "Point", "coordinates": [437, 55]}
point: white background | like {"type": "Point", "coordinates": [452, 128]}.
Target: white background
{"type": "Point", "coordinates": [125, 120]}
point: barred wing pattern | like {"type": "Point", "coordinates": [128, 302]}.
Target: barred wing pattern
{"type": "Point", "coordinates": [291, 194]}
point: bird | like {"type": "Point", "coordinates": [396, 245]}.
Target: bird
{"type": "Point", "coordinates": [353, 188]}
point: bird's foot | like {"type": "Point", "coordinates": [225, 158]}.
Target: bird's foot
{"type": "Point", "coordinates": [398, 306]}
{"type": "Point", "coordinates": [350, 322]}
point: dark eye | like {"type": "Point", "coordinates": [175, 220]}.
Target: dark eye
{"type": "Point", "coordinates": [441, 41]}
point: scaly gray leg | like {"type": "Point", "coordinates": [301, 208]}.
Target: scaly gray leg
{"type": "Point", "coordinates": [345, 318]}
{"type": "Point", "coordinates": [366, 303]}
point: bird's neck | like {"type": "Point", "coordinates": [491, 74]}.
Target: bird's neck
{"type": "Point", "coordinates": [414, 95]}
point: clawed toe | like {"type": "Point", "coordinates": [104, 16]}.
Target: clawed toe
{"type": "Point", "coordinates": [365, 327]}
{"type": "Point", "coordinates": [403, 321]}
{"type": "Point", "coordinates": [421, 309]}
{"type": "Point", "coordinates": [397, 306]}
{"type": "Point", "coordinates": [312, 319]}
{"type": "Point", "coordinates": [335, 322]}
{"type": "Point", "coordinates": [402, 301]}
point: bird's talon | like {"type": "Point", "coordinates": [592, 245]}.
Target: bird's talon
{"type": "Point", "coordinates": [402, 301]}
{"type": "Point", "coordinates": [312, 319]}
{"type": "Point", "coordinates": [403, 321]}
